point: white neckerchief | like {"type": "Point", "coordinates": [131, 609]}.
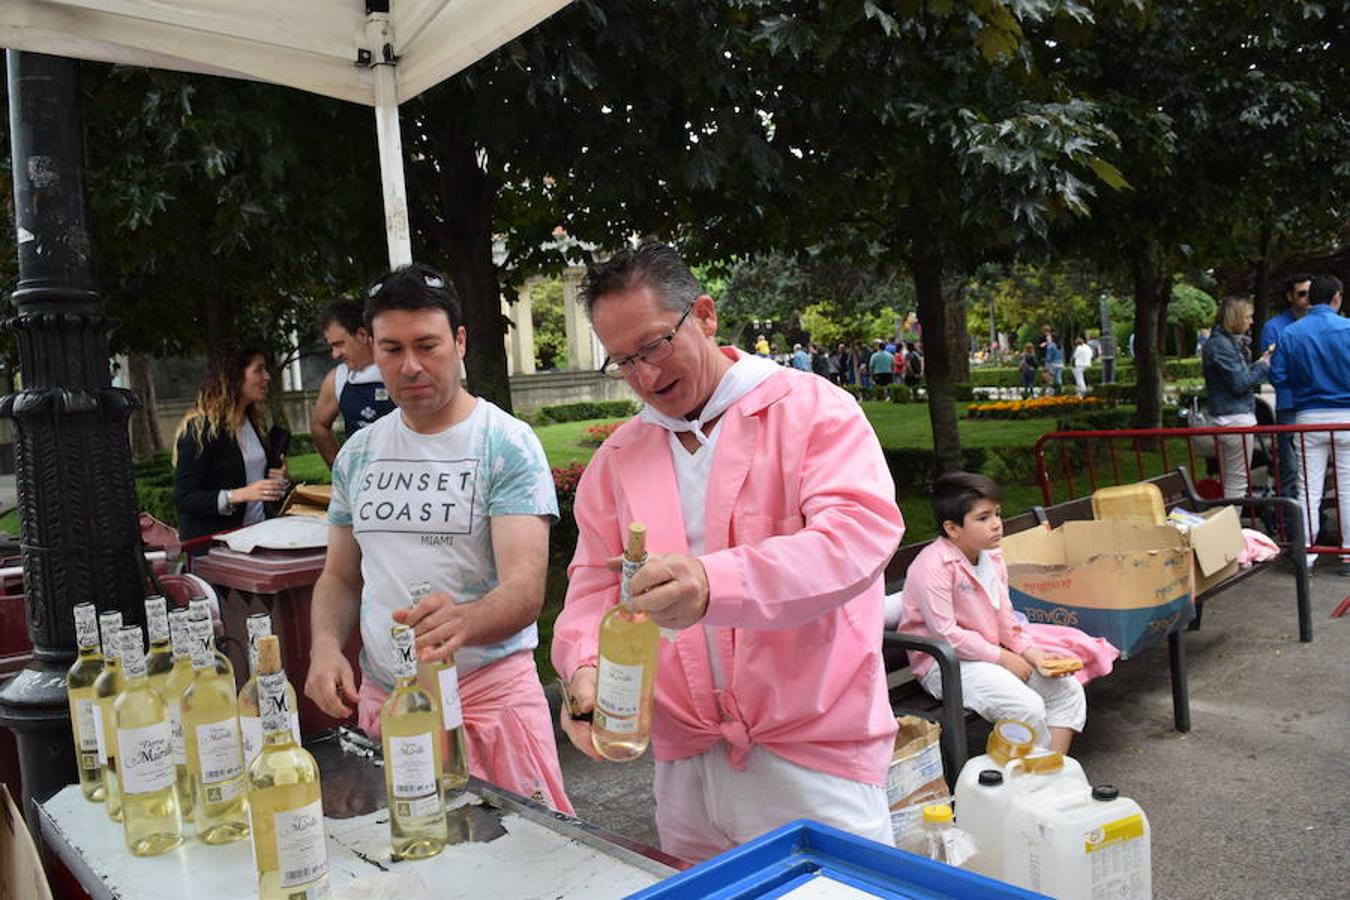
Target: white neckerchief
{"type": "Point", "coordinates": [743, 377]}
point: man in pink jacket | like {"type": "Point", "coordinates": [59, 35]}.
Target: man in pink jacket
{"type": "Point", "coordinates": [770, 517]}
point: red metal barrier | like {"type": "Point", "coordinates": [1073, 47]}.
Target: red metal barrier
{"type": "Point", "coordinates": [1093, 459]}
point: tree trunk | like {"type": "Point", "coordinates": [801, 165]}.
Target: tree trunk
{"type": "Point", "coordinates": [464, 235]}
{"type": "Point", "coordinates": [1261, 282]}
{"type": "Point", "coordinates": [146, 437]}
{"type": "Point", "coordinates": [937, 368]}
{"type": "Point", "coordinates": [958, 336]}
{"type": "Point", "coordinates": [1148, 311]}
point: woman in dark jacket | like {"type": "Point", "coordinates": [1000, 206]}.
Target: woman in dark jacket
{"type": "Point", "coordinates": [1231, 380]}
{"type": "Point", "coordinates": [227, 466]}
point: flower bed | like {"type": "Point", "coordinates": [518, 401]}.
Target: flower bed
{"type": "Point", "coordinates": [595, 435]}
{"type": "Point", "coordinates": [1033, 408]}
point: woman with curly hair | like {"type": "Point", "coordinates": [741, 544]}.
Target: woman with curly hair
{"type": "Point", "coordinates": [227, 467]}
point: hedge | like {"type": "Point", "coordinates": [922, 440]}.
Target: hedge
{"type": "Point", "coordinates": [576, 412]}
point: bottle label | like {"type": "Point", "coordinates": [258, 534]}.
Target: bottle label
{"type": "Point", "coordinates": [273, 708]}
{"type": "Point", "coordinates": [218, 750]}
{"type": "Point", "coordinates": [618, 696]}
{"type": "Point", "coordinates": [405, 657]}
{"type": "Point", "coordinates": [145, 758]}
{"type": "Point", "coordinates": [100, 739]}
{"type": "Point", "coordinates": [178, 631]}
{"type": "Point", "coordinates": [86, 626]}
{"type": "Point", "coordinates": [132, 653]}
{"type": "Point", "coordinates": [86, 722]}
{"type": "Point", "coordinates": [109, 623]}
{"type": "Point", "coordinates": [223, 791]}
{"type": "Point", "coordinates": [157, 618]}
{"type": "Point", "coordinates": [417, 808]}
{"type": "Point", "coordinates": [630, 569]}
{"type": "Point", "coordinates": [258, 624]}
{"type": "Point", "coordinates": [452, 713]}
{"type": "Point", "coordinates": [413, 762]}
{"type": "Point", "coordinates": [199, 639]}
{"type": "Point", "coordinates": [252, 729]}
{"type": "Point", "coordinates": [176, 734]}
{"type": "Point", "coordinates": [301, 851]}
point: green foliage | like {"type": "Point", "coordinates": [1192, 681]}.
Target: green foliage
{"type": "Point", "coordinates": [915, 468]}
{"type": "Point", "coordinates": [963, 392]}
{"type": "Point", "coordinates": [1190, 307]}
{"type": "Point", "coordinates": [1012, 465]}
{"type": "Point", "coordinates": [550, 335]}
{"type": "Point", "coordinates": [575, 412]}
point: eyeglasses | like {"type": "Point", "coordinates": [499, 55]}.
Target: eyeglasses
{"type": "Point", "coordinates": [429, 279]}
{"type": "Point", "coordinates": [1301, 294]}
{"type": "Point", "coordinates": [651, 353]}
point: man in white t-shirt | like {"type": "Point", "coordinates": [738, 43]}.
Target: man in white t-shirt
{"type": "Point", "coordinates": [354, 388]}
{"type": "Point", "coordinates": [453, 491]}
{"type": "Point", "coordinates": [1082, 359]}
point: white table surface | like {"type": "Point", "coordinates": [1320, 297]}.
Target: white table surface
{"type": "Point", "coordinates": [530, 860]}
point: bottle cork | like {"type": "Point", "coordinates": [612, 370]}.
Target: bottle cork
{"type": "Point", "coordinates": [637, 542]}
{"type": "Point", "coordinates": [269, 654]}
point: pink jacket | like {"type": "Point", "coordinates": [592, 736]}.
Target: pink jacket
{"type": "Point", "coordinates": [944, 600]}
{"type": "Point", "coordinates": [801, 521]}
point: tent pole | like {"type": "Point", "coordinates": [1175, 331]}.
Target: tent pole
{"type": "Point", "coordinates": [397, 231]}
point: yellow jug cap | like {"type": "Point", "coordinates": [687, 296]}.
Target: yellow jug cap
{"type": "Point", "coordinates": [1009, 740]}
{"type": "Point", "coordinates": [1042, 763]}
{"type": "Point", "coordinates": [937, 813]}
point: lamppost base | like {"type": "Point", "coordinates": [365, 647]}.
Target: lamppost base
{"type": "Point", "coordinates": [33, 706]}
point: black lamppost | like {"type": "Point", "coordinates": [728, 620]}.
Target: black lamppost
{"type": "Point", "coordinates": [77, 501]}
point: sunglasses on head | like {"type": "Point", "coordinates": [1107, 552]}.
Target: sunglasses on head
{"type": "Point", "coordinates": [430, 280]}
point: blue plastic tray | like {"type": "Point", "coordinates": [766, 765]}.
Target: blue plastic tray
{"type": "Point", "coordinates": [792, 856]}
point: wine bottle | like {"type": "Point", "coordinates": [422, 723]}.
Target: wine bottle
{"type": "Point", "coordinates": [285, 806]}
{"type": "Point", "coordinates": [441, 681]}
{"type": "Point", "coordinates": [211, 735]}
{"type": "Point", "coordinates": [629, 644]}
{"type": "Point", "coordinates": [159, 658]}
{"type": "Point", "coordinates": [201, 607]}
{"type": "Point", "coordinates": [250, 723]}
{"type": "Point", "coordinates": [107, 686]}
{"type": "Point", "coordinates": [179, 679]}
{"type": "Point", "coordinates": [80, 689]}
{"type": "Point", "coordinates": [409, 722]}
{"type": "Point", "coordinates": [151, 821]}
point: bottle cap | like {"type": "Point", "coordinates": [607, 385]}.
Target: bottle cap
{"type": "Point", "coordinates": [269, 654]}
{"type": "Point", "coordinates": [991, 777]}
{"type": "Point", "coordinates": [1010, 740]}
{"type": "Point", "coordinates": [1105, 792]}
{"type": "Point", "coordinates": [938, 813]}
{"type": "Point", "coordinates": [637, 542]}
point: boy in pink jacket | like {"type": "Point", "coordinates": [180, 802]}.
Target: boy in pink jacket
{"type": "Point", "coordinates": [770, 518]}
{"type": "Point", "coordinates": [956, 590]}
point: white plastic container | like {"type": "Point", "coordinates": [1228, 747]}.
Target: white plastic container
{"type": "Point", "coordinates": [1012, 765]}
{"type": "Point", "coordinates": [1075, 842]}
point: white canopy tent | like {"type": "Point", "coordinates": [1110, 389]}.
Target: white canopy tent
{"type": "Point", "coordinates": [376, 52]}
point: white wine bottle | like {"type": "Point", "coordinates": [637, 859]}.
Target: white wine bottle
{"type": "Point", "coordinates": [410, 722]}
{"type": "Point", "coordinates": [201, 607]}
{"type": "Point", "coordinates": [151, 821]}
{"type": "Point", "coordinates": [80, 690]}
{"type": "Point", "coordinates": [177, 682]}
{"type": "Point", "coordinates": [629, 645]}
{"type": "Point", "coordinates": [211, 735]}
{"type": "Point", "coordinates": [106, 688]}
{"type": "Point", "coordinates": [441, 681]}
{"type": "Point", "coordinates": [284, 803]}
{"type": "Point", "coordinates": [159, 658]}
{"type": "Point", "coordinates": [250, 723]}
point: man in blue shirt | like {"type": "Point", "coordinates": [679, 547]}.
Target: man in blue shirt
{"type": "Point", "coordinates": [800, 360]}
{"type": "Point", "coordinates": [1296, 293]}
{"type": "Point", "coordinates": [354, 388]}
{"type": "Point", "coordinates": [1312, 360]}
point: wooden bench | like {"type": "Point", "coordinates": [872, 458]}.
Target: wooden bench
{"type": "Point", "coordinates": [1178, 488]}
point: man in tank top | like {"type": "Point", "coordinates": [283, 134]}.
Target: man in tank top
{"type": "Point", "coordinates": [354, 388]}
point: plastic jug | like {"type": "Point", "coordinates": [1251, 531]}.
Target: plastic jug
{"type": "Point", "coordinates": [1075, 842]}
{"type": "Point", "coordinates": [1011, 766]}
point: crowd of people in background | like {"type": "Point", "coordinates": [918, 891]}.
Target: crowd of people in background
{"type": "Point", "coordinates": [885, 362]}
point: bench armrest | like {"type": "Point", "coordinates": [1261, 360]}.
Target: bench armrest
{"type": "Point", "coordinates": [953, 719]}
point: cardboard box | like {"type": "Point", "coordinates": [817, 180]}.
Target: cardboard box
{"type": "Point", "coordinates": [21, 874]}
{"type": "Point", "coordinates": [1127, 582]}
{"type": "Point", "coordinates": [916, 764]}
{"type": "Point", "coordinates": [1215, 545]}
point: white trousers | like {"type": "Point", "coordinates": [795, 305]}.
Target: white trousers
{"type": "Point", "coordinates": [1235, 453]}
{"type": "Point", "coordinates": [995, 693]}
{"type": "Point", "coordinates": [1080, 380]}
{"type": "Point", "coordinates": [1315, 452]}
{"type": "Point", "coordinates": [704, 806]}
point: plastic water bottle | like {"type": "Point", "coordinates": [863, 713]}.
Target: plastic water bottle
{"type": "Point", "coordinates": [945, 842]}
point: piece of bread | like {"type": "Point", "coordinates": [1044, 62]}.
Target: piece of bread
{"type": "Point", "coordinates": [1055, 666]}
